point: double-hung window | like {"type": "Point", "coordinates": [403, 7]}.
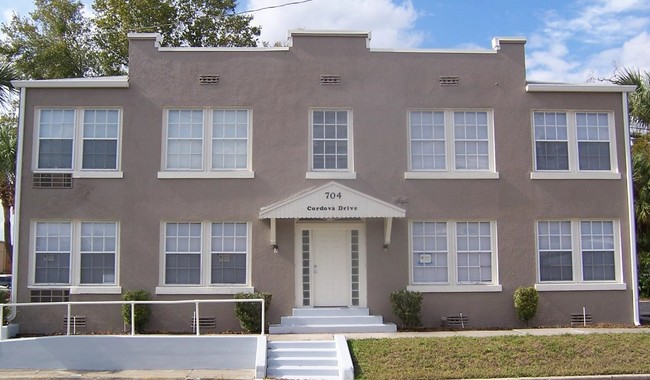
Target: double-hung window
{"type": "Point", "coordinates": [77, 254]}
{"type": "Point", "coordinates": [453, 256]}
{"type": "Point", "coordinates": [84, 141]}
{"type": "Point", "coordinates": [571, 144]}
{"type": "Point", "coordinates": [578, 254]}
{"type": "Point", "coordinates": [451, 144]}
{"type": "Point", "coordinates": [207, 143]}
{"type": "Point", "coordinates": [205, 257]}
{"type": "Point", "coordinates": [331, 147]}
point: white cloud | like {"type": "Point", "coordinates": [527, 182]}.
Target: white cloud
{"type": "Point", "coordinates": [591, 43]}
{"type": "Point", "coordinates": [391, 22]}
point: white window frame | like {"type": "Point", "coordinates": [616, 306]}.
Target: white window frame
{"type": "Point", "coordinates": [75, 286]}
{"type": "Point", "coordinates": [576, 260]}
{"type": "Point", "coordinates": [574, 171]}
{"type": "Point", "coordinates": [348, 173]}
{"type": "Point", "coordinates": [204, 286]}
{"type": "Point", "coordinates": [454, 285]}
{"type": "Point", "coordinates": [450, 171]}
{"type": "Point", "coordinates": [77, 169]}
{"type": "Point", "coordinates": [206, 170]}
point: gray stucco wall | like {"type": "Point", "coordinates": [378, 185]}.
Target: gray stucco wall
{"type": "Point", "coordinates": [380, 87]}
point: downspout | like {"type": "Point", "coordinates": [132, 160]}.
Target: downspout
{"type": "Point", "coordinates": [631, 215]}
{"type": "Point", "coordinates": [16, 235]}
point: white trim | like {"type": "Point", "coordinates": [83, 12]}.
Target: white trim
{"type": "Point", "coordinates": [17, 207]}
{"type": "Point", "coordinates": [433, 51]}
{"type": "Point", "coordinates": [95, 290]}
{"type": "Point", "coordinates": [347, 173]}
{"type": "Point", "coordinates": [76, 164]}
{"type": "Point", "coordinates": [331, 175]}
{"type": "Point", "coordinates": [579, 287]}
{"type": "Point", "coordinates": [631, 217]}
{"type": "Point", "coordinates": [450, 171]}
{"type": "Point", "coordinates": [547, 174]}
{"type": "Point", "coordinates": [572, 142]}
{"type": "Point", "coordinates": [329, 33]}
{"type": "Point", "coordinates": [206, 264]}
{"type": "Point", "coordinates": [97, 82]}
{"type": "Point", "coordinates": [583, 87]}
{"type": "Point", "coordinates": [223, 49]}
{"type": "Point", "coordinates": [452, 284]}
{"type": "Point", "coordinates": [204, 289]}
{"type": "Point", "coordinates": [498, 41]}
{"type": "Point", "coordinates": [578, 282]}
{"type": "Point", "coordinates": [451, 175]}
{"type": "Point", "coordinates": [340, 226]}
{"type": "Point", "coordinates": [455, 288]}
{"type": "Point", "coordinates": [187, 174]}
{"type": "Point", "coordinates": [91, 173]}
{"type": "Point", "coordinates": [206, 170]}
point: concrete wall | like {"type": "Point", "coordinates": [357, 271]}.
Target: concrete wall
{"type": "Point", "coordinates": [280, 86]}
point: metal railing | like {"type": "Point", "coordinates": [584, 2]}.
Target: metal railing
{"type": "Point", "coordinates": [196, 303]}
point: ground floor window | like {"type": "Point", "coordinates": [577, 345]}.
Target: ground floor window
{"type": "Point", "coordinates": [75, 253]}
{"type": "Point", "coordinates": [453, 252]}
{"type": "Point", "coordinates": [206, 253]}
{"type": "Point", "coordinates": [578, 251]}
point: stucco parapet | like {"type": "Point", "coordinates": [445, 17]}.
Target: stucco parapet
{"type": "Point", "coordinates": [577, 87]}
{"type": "Point", "coordinates": [498, 41]}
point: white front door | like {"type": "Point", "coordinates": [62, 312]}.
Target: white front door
{"type": "Point", "coordinates": [330, 255]}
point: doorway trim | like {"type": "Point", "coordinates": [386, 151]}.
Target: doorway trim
{"type": "Point", "coordinates": [304, 297]}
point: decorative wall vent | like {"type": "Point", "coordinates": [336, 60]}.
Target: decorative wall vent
{"type": "Point", "coordinates": [76, 321]}
{"type": "Point", "coordinates": [50, 295]}
{"type": "Point", "coordinates": [330, 79]}
{"type": "Point", "coordinates": [209, 79]}
{"type": "Point", "coordinates": [52, 181]}
{"type": "Point", "coordinates": [449, 81]}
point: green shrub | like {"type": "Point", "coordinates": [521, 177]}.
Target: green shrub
{"type": "Point", "coordinates": [525, 303]}
{"type": "Point", "coordinates": [4, 298]}
{"type": "Point", "coordinates": [250, 313]}
{"type": "Point", "coordinates": [406, 306]}
{"type": "Point", "coordinates": [142, 312]}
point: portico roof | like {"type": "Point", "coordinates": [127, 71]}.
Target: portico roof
{"type": "Point", "coordinates": [331, 200]}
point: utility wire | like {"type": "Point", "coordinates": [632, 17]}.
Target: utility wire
{"type": "Point", "coordinates": [274, 6]}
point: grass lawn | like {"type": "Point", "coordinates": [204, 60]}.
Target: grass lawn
{"type": "Point", "coordinates": [504, 356]}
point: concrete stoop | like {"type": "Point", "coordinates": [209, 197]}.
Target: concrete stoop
{"type": "Point", "coordinates": [332, 320]}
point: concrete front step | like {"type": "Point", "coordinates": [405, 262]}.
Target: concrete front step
{"type": "Point", "coordinates": [300, 372]}
{"type": "Point", "coordinates": [302, 360]}
{"type": "Point", "coordinates": [329, 311]}
{"type": "Point", "coordinates": [332, 320]}
{"type": "Point", "coordinates": [334, 329]}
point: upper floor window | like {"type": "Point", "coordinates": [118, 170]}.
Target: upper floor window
{"type": "Point", "coordinates": [574, 145]}
{"type": "Point", "coordinates": [331, 153]}
{"type": "Point", "coordinates": [76, 253]}
{"type": "Point", "coordinates": [582, 252]}
{"type": "Point", "coordinates": [85, 141]}
{"type": "Point", "coordinates": [204, 143]}
{"type": "Point", "coordinates": [451, 144]}
{"type": "Point", "coordinates": [204, 254]}
{"type": "Point", "coordinates": [459, 255]}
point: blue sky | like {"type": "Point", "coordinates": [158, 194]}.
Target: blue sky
{"type": "Point", "coordinates": [568, 40]}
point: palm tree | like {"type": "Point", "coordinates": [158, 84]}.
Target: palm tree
{"type": "Point", "coordinates": [639, 100]}
{"type": "Point", "coordinates": [8, 145]}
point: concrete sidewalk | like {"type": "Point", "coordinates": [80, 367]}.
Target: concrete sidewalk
{"type": "Point", "coordinates": [250, 374]}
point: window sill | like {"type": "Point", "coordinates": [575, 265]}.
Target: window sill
{"type": "Point", "coordinates": [96, 289]}
{"type": "Point", "coordinates": [204, 289]}
{"type": "Point", "coordinates": [451, 175]}
{"type": "Point", "coordinates": [206, 174]}
{"type": "Point", "coordinates": [580, 175]}
{"type": "Point", "coordinates": [579, 287]}
{"type": "Point", "coordinates": [331, 175]}
{"type": "Point", "coordinates": [454, 288]}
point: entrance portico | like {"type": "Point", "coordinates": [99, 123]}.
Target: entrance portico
{"type": "Point", "coordinates": [330, 242]}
